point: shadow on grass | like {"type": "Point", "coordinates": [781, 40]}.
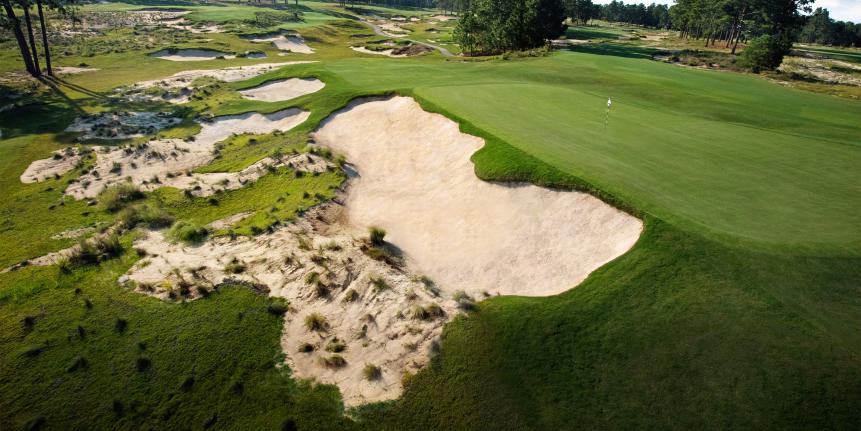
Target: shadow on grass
{"type": "Point", "coordinates": [585, 33]}
{"type": "Point", "coordinates": [627, 51]}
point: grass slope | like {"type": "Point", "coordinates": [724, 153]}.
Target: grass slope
{"type": "Point", "coordinates": [737, 309]}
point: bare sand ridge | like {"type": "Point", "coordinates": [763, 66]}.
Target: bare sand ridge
{"type": "Point", "coordinates": [416, 181]}
{"type": "Point", "coordinates": [290, 43]}
{"type": "Point", "coordinates": [386, 52]}
{"type": "Point", "coordinates": [284, 89]}
{"type": "Point", "coordinates": [167, 162]}
{"type": "Point", "coordinates": [374, 313]}
{"type": "Point", "coordinates": [179, 84]}
{"type": "Point", "coordinates": [190, 55]}
{"type": "Point", "coordinates": [61, 162]}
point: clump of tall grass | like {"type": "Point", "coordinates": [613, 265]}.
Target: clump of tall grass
{"type": "Point", "coordinates": [334, 361]}
{"type": "Point", "coordinates": [114, 198]}
{"type": "Point", "coordinates": [149, 215]}
{"type": "Point", "coordinates": [377, 235]}
{"type": "Point", "coordinates": [94, 250]}
{"type": "Point", "coordinates": [426, 312]}
{"type": "Point", "coordinates": [336, 346]}
{"type": "Point", "coordinates": [372, 372]}
{"type": "Point", "coordinates": [316, 322]}
{"type": "Point", "coordinates": [235, 266]}
{"type": "Point", "coordinates": [183, 231]}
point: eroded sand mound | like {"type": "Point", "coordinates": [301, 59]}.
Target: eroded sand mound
{"type": "Point", "coordinates": [371, 313]}
{"type": "Point", "coordinates": [121, 125]}
{"type": "Point", "coordinates": [416, 181]}
{"type": "Point", "coordinates": [61, 162]}
{"type": "Point", "coordinates": [386, 52]}
{"type": "Point", "coordinates": [168, 162]}
{"type": "Point", "coordinates": [284, 89]}
{"type": "Point", "coordinates": [190, 54]}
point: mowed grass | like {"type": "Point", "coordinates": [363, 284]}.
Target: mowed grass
{"type": "Point", "coordinates": [714, 320]}
{"type": "Point", "coordinates": [727, 154]}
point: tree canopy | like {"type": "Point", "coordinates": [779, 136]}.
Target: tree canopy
{"type": "Point", "coordinates": [494, 26]}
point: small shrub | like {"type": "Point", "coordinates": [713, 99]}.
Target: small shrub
{"type": "Point", "coordinates": [186, 232]}
{"type": "Point", "coordinates": [377, 235]}
{"type": "Point", "coordinates": [315, 322]}
{"type": "Point", "coordinates": [351, 295]}
{"type": "Point", "coordinates": [334, 361]}
{"type": "Point", "coordinates": [336, 346]}
{"type": "Point", "coordinates": [278, 306]}
{"type": "Point", "coordinates": [306, 348]}
{"type": "Point", "coordinates": [372, 372]}
{"type": "Point", "coordinates": [150, 215]}
{"type": "Point", "coordinates": [765, 53]}
{"type": "Point", "coordinates": [379, 283]}
{"type": "Point", "coordinates": [116, 197]}
{"type": "Point", "coordinates": [235, 266]}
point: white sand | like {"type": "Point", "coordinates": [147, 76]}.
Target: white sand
{"type": "Point", "coordinates": [416, 181]}
{"type": "Point", "coordinates": [182, 80]}
{"type": "Point", "coordinates": [386, 52]}
{"type": "Point", "coordinates": [285, 89]}
{"type": "Point", "coordinates": [291, 43]}
{"type": "Point", "coordinates": [166, 162]}
{"type": "Point", "coordinates": [191, 55]}
{"type": "Point", "coordinates": [70, 70]}
{"type": "Point", "coordinates": [61, 162]}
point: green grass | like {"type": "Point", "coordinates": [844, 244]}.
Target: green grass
{"type": "Point", "coordinates": [738, 308]}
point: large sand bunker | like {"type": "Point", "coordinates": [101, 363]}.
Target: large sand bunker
{"type": "Point", "coordinates": [168, 162]}
{"type": "Point", "coordinates": [191, 54]}
{"type": "Point", "coordinates": [284, 89]}
{"type": "Point", "coordinates": [416, 180]}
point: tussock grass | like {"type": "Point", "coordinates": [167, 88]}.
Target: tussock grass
{"type": "Point", "coordinates": [371, 372]}
{"type": "Point", "coordinates": [116, 197]}
{"type": "Point", "coordinates": [333, 361]}
{"type": "Point", "coordinates": [316, 322]}
{"type": "Point", "coordinates": [183, 231]}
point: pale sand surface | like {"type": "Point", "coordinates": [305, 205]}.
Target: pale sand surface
{"type": "Point", "coordinates": [416, 181]}
{"type": "Point", "coordinates": [292, 43]}
{"type": "Point", "coordinates": [386, 52]}
{"type": "Point", "coordinates": [191, 55]}
{"type": "Point", "coordinates": [284, 89]}
{"type": "Point", "coordinates": [61, 162]}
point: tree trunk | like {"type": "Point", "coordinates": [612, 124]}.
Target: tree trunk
{"type": "Point", "coordinates": [32, 39]}
{"type": "Point", "coordinates": [735, 45]}
{"type": "Point", "coordinates": [45, 39]}
{"type": "Point", "coordinates": [19, 36]}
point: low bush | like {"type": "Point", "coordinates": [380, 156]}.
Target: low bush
{"type": "Point", "coordinates": [116, 197]}
{"type": "Point", "coordinates": [765, 53]}
{"type": "Point", "coordinates": [336, 346]}
{"type": "Point", "coordinates": [95, 250]}
{"type": "Point", "coordinates": [334, 361]}
{"type": "Point", "coordinates": [372, 372]}
{"type": "Point", "coordinates": [315, 322]}
{"type": "Point", "coordinates": [149, 215]}
{"type": "Point", "coordinates": [278, 306]}
{"type": "Point", "coordinates": [377, 235]}
{"type": "Point", "coordinates": [183, 231]}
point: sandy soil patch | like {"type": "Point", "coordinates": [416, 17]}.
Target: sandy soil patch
{"type": "Point", "coordinates": [416, 181]}
{"type": "Point", "coordinates": [291, 43]}
{"type": "Point", "coordinates": [179, 84]}
{"type": "Point", "coordinates": [392, 29]}
{"type": "Point", "coordinates": [285, 89]}
{"type": "Point", "coordinates": [182, 24]}
{"type": "Point", "coordinates": [386, 52]}
{"type": "Point", "coordinates": [374, 313]}
{"type": "Point", "coordinates": [190, 55]}
{"type": "Point", "coordinates": [228, 221]}
{"type": "Point", "coordinates": [121, 125]}
{"type": "Point", "coordinates": [168, 162]}
{"type": "Point", "coordinates": [59, 163]}
{"type": "Point", "coordinates": [443, 17]}
{"type": "Point", "coordinates": [70, 70]}
{"type": "Point", "coordinates": [829, 71]}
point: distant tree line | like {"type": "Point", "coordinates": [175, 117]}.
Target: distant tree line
{"type": "Point", "coordinates": [821, 29]}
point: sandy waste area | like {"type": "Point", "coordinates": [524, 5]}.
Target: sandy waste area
{"type": "Point", "coordinates": [362, 314]}
{"type": "Point", "coordinates": [190, 55]}
{"type": "Point", "coordinates": [284, 89]}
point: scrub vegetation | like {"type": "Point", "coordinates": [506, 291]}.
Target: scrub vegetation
{"type": "Point", "coordinates": [737, 309]}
